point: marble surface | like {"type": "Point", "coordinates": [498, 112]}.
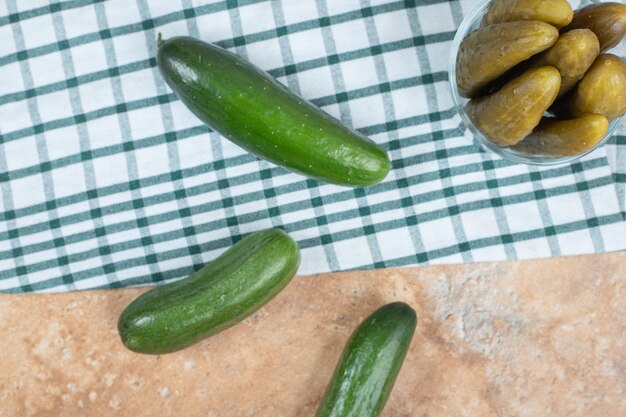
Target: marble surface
{"type": "Point", "coordinates": [524, 339]}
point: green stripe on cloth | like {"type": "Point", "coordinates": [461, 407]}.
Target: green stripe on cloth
{"type": "Point", "coordinates": [107, 180]}
{"type": "Point", "coordinates": [254, 196]}
{"type": "Point", "coordinates": [617, 162]}
{"type": "Point", "coordinates": [107, 33]}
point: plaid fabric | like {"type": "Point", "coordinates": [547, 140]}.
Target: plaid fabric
{"type": "Point", "coordinates": [107, 180]}
{"type": "Point", "coordinates": [616, 151]}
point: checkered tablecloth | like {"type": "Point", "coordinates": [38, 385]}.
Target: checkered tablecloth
{"type": "Point", "coordinates": [108, 180]}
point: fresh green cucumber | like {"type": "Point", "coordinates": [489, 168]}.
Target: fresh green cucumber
{"type": "Point", "coordinates": [221, 294]}
{"type": "Point", "coordinates": [252, 109]}
{"type": "Point", "coordinates": [370, 363]}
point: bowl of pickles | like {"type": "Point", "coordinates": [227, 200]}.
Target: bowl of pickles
{"type": "Point", "coordinates": [541, 82]}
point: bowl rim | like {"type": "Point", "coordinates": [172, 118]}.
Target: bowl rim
{"type": "Point", "coordinates": [504, 152]}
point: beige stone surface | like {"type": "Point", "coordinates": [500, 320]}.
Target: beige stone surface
{"type": "Point", "coordinates": [520, 339]}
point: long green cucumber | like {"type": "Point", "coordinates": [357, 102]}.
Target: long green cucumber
{"type": "Point", "coordinates": [253, 110]}
{"type": "Point", "coordinates": [370, 363]}
{"type": "Point", "coordinates": [221, 294]}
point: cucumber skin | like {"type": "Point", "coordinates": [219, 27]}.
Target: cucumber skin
{"type": "Point", "coordinates": [253, 110]}
{"type": "Point", "coordinates": [221, 294]}
{"type": "Point", "coordinates": [370, 363]}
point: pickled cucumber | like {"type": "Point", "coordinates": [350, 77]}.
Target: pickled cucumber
{"type": "Point", "coordinates": [490, 51]}
{"type": "Point", "coordinates": [606, 20]}
{"type": "Point", "coordinates": [509, 115]}
{"type": "Point", "coordinates": [602, 90]}
{"type": "Point", "coordinates": [556, 12]}
{"type": "Point", "coordinates": [565, 137]}
{"type": "Point", "coordinates": [572, 55]}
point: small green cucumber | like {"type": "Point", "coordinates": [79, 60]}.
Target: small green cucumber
{"type": "Point", "coordinates": [221, 294]}
{"type": "Point", "coordinates": [370, 363]}
{"type": "Point", "coordinates": [253, 110]}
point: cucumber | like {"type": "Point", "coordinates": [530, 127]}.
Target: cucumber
{"type": "Point", "coordinates": [370, 363]}
{"type": "Point", "coordinates": [253, 110]}
{"type": "Point", "coordinates": [221, 294]}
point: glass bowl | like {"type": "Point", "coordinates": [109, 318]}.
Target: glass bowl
{"type": "Point", "coordinates": [469, 24]}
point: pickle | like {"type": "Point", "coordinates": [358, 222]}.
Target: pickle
{"type": "Point", "coordinates": [606, 20]}
{"type": "Point", "coordinates": [509, 115]}
{"type": "Point", "coordinates": [602, 90]}
{"type": "Point", "coordinates": [555, 137]}
{"type": "Point", "coordinates": [490, 51]}
{"type": "Point", "coordinates": [572, 55]}
{"type": "Point", "coordinates": [558, 13]}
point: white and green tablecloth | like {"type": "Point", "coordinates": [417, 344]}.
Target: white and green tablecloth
{"type": "Point", "coordinates": [107, 180]}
